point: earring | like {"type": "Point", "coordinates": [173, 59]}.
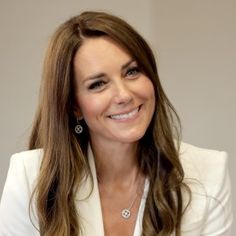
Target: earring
{"type": "Point", "coordinates": [78, 128]}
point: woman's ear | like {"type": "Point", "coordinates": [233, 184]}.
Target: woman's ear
{"type": "Point", "coordinates": [78, 113]}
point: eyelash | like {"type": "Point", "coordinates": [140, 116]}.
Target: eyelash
{"type": "Point", "coordinates": [96, 85]}
{"type": "Point", "coordinates": [134, 70]}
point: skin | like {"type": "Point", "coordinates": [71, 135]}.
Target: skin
{"type": "Point", "coordinates": [117, 102]}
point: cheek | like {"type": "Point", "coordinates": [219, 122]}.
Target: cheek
{"type": "Point", "coordinates": [91, 107]}
{"type": "Point", "coordinates": [146, 90]}
{"type": "Point", "coordinates": [149, 96]}
{"type": "Point", "coordinates": [150, 90]}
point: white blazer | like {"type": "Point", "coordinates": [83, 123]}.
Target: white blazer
{"type": "Point", "coordinates": [209, 214]}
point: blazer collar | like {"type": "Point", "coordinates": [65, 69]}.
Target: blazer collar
{"type": "Point", "coordinates": [88, 203]}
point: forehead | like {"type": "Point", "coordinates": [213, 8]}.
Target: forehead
{"type": "Point", "coordinates": [98, 52]}
{"type": "Point", "coordinates": [100, 44]}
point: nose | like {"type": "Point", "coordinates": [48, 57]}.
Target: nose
{"type": "Point", "coordinates": [122, 94]}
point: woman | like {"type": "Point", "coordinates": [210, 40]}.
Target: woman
{"type": "Point", "coordinates": [105, 156]}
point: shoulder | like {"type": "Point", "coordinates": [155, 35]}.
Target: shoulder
{"type": "Point", "coordinates": [34, 156]}
{"type": "Point", "coordinates": [25, 166]}
{"type": "Point", "coordinates": [203, 164]}
{"type": "Point", "coordinates": [194, 153]}
{"type": "Point", "coordinates": [205, 170]}
{"type": "Point", "coordinates": [206, 174]}
{"type": "Point", "coordinates": [30, 159]}
{"type": "Point", "coordinates": [19, 185]}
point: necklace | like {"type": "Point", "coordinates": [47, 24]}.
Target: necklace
{"type": "Point", "coordinates": [126, 212]}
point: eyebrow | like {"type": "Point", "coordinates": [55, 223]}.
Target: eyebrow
{"type": "Point", "coordinates": [127, 64]}
{"type": "Point", "coordinates": [100, 75]}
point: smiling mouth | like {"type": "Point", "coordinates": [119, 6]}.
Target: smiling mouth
{"type": "Point", "coordinates": [125, 116]}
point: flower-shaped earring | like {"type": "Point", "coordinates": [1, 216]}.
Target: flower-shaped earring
{"type": "Point", "coordinates": [78, 127]}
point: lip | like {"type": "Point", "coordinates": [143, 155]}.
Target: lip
{"type": "Point", "coordinates": [126, 115]}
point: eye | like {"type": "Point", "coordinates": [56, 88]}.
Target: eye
{"type": "Point", "coordinates": [97, 85]}
{"type": "Point", "coordinates": [133, 71]}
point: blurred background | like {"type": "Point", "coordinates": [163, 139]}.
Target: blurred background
{"type": "Point", "coordinates": [195, 46]}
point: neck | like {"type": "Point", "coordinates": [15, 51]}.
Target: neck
{"type": "Point", "coordinates": [116, 163]}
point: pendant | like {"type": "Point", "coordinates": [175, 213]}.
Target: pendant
{"type": "Point", "coordinates": [126, 213]}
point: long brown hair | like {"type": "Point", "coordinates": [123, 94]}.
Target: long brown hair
{"type": "Point", "coordinates": [64, 161]}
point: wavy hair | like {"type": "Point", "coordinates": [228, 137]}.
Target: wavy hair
{"type": "Point", "coordinates": [64, 162]}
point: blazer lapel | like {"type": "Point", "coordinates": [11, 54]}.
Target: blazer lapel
{"type": "Point", "coordinates": [89, 205]}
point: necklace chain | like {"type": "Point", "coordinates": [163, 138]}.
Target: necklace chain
{"type": "Point", "coordinates": [126, 212]}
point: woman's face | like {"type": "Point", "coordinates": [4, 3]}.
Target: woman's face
{"type": "Point", "coordinates": [113, 96]}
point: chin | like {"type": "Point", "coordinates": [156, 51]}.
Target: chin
{"type": "Point", "coordinates": [131, 138]}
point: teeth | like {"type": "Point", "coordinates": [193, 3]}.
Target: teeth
{"type": "Point", "coordinates": [124, 116]}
